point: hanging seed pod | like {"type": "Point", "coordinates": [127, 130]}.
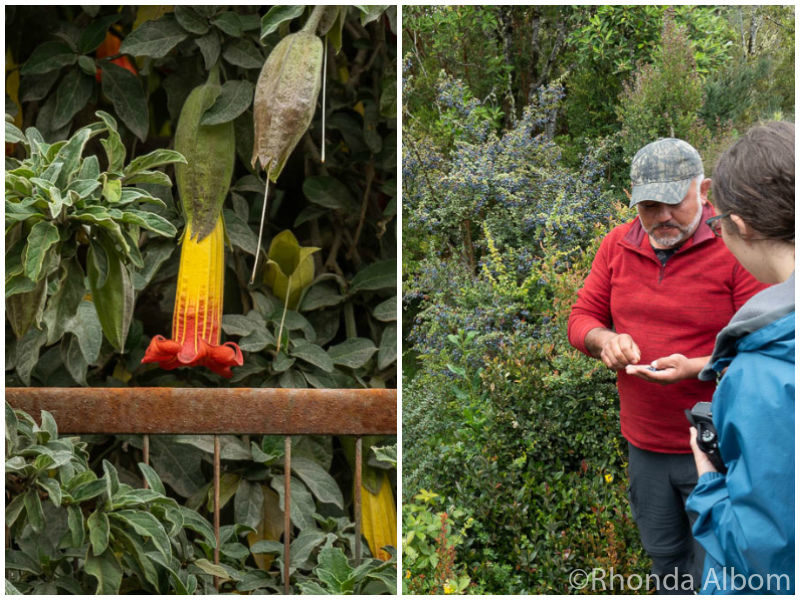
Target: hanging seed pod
{"type": "Point", "coordinates": [285, 99]}
{"type": "Point", "coordinates": [210, 151]}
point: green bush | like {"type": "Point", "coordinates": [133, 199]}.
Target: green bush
{"type": "Point", "coordinates": [430, 541]}
{"type": "Point", "coordinates": [664, 98]}
{"type": "Point", "coordinates": [521, 431]}
{"type": "Point", "coordinates": [71, 531]}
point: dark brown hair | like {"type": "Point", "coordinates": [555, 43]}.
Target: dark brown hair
{"type": "Point", "coordinates": [754, 179]}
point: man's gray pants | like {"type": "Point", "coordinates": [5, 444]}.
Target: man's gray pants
{"type": "Point", "coordinates": [659, 486]}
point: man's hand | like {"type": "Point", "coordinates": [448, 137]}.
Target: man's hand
{"type": "Point", "coordinates": [701, 461]}
{"type": "Point", "coordinates": [616, 350]}
{"type": "Point", "coordinates": [669, 369]}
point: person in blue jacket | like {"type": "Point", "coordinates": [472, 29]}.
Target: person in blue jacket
{"type": "Point", "coordinates": [745, 517]}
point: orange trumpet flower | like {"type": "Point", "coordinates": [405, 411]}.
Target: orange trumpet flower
{"type": "Point", "coordinates": [197, 318]}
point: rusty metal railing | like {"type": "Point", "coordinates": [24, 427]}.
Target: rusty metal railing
{"type": "Point", "coordinates": [203, 411]}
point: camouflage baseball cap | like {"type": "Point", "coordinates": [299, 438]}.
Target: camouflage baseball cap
{"type": "Point", "coordinates": [663, 170]}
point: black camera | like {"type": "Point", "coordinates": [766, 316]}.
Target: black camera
{"type": "Point", "coordinates": [700, 418]}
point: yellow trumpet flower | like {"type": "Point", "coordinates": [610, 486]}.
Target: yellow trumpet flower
{"type": "Point", "coordinates": [197, 318]}
{"type": "Point", "coordinates": [379, 518]}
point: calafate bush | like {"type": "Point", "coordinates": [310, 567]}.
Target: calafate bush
{"type": "Point", "coordinates": [503, 418]}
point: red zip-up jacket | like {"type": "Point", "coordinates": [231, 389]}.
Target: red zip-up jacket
{"type": "Point", "coordinates": [676, 308]}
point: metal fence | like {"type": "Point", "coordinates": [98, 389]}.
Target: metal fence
{"type": "Point", "coordinates": [238, 411]}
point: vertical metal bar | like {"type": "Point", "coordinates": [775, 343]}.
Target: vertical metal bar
{"type": "Point", "coordinates": [216, 505]}
{"type": "Point", "coordinates": [357, 501]}
{"type": "Point", "coordinates": [146, 454]}
{"type": "Point", "coordinates": [287, 510]}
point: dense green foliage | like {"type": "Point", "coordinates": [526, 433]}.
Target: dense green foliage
{"type": "Point", "coordinates": [519, 127]}
{"type": "Point", "coordinates": [73, 531]}
{"type": "Point", "coordinates": [93, 96]}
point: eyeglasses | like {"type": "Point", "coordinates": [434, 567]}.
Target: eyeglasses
{"type": "Point", "coordinates": [715, 224]}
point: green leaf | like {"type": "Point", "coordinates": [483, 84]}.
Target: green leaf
{"type": "Point", "coordinates": [113, 301]}
{"type": "Point", "coordinates": [313, 354]}
{"type": "Point", "coordinates": [154, 177]}
{"type": "Point", "coordinates": [111, 478]}
{"type": "Point", "coordinates": [156, 158]}
{"type": "Point", "coordinates": [239, 232]}
{"type": "Point", "coordinates": [73, 359]}
{"type": "Point", "coordinates": [321, 295]}
{"type": "Point", "coordinates": [376, 276]}
{"type": "Point", "coordinates": [87, 491]}
{"type": "Point", "coordinates": [386, 310]}
{"type": "Point", "coordinates": [136, 549]}
{"type": "Point", "coordinates": [318, 481]}
{"type": "Point", "coordinates": [371, 13]}
{"type": "Point", "coordinates": [99, 531]}
{"type": "Point", "coordinates": [112, 144]}
{"type": "Point", "coordinates": [132, 194]}
{"type": "Point", "coordinates": [75, 522]}
{"type": "Point", "coordinates": [53, 489]}
{"type": "Point", "coordinates": [242, 53]}
{"type": "Point", "coordinates": [146, 524]}
{"type": "Point", "coordinates": [72, 95]}
{"type": "Point", "coordinates": [192, 22]}
{"type": "Point", "coordinates": [49, 425]}
{"type": "Point", "coordinates": [282, 362]}
{"type": "Point", "coordinates": [248, 504]}
{"type": "Point", "coordinates": [242, 324]}
{"type": "Point", "coordinates": [25, 304]}
{"type": "Point", "coordinates": [154, 38]}
{"type": "Point", "coordinates": [126, 93]}
{"type": "Point", "coordinates": [334, 570]}
{"type": "Point", "coordinates": [211, 569]}
{"type": "Point", "coordinates": [14, 135]}
{"type": "Point", "coordinates": [292, 378]}
{"type": "Point", "coordinates": [33, 507]}
{"type": "Point", "coordinates": [303, 545]}
{"type": "Point", "coordinates": [134, 498]}
{"type": "Point", "coordinates": [106, 570]}
{"type": "Point", "coordinates": [150, 221]}
{"type": "Point", "coordinates": [83, 187]}
{"type": "Point", "coordinates": [267, 547]}
{"type": "Point", "coordinates": [276, 16]}
{"type": "Point", "coordinates": [235, 98]}
{"type": "Point", "coordinates": [28, 348]}
{"type": "Point", "coordinates": [48, 57]}
{"type": "Point", "coordinates": [257, 340]}
{"type": "Point", "coordinates": [210, 48]}
{"type": "Point", "coordinates": [95, 33]}
{"type": "Point", "coordinates": [388, 350]}
{"type": "Point", "coordinates": [112, 190]}
{"type": "Point", "coordinates": [192, 520]}
{"type": "Point", "coordinates": [229, 23]}
{"type": "Point", "coordinates": [353, 353]}
{"type": "Point", "coordinates": [85, 325]}
{"type": "Point", "coordinates": [152, 478]}
{"type": "Point", "coordinates": [14, 508]}
{"type": "Point", "coordinates": [328, 192]}
{"type": "Point", "coordinates": [43, 235]}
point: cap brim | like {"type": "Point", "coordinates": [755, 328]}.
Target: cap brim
{"type": "Point", "coordinates": [670, 192]}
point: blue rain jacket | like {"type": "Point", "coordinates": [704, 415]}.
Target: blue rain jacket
{"type": "Point", "coordinates": [745, 518]}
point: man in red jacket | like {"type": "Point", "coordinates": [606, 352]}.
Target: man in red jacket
{"type": "Point", "coordinates": [660, 289]}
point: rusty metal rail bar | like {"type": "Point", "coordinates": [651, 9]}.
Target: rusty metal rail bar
{"type": "Point", "coordinates": [265, 411]}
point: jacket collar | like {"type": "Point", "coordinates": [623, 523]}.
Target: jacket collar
{"type": "Point", "coordinates": [638, 239]}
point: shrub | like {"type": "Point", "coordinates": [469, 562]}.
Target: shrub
{"type": "Point", "coordinates": [72, 531]}
{"type": "Point", "coordinates": [429, 547]}
{"type": "Point", "coordinates": [665, 97]}
{"type": "Point", "coordinates": [528, 426]}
